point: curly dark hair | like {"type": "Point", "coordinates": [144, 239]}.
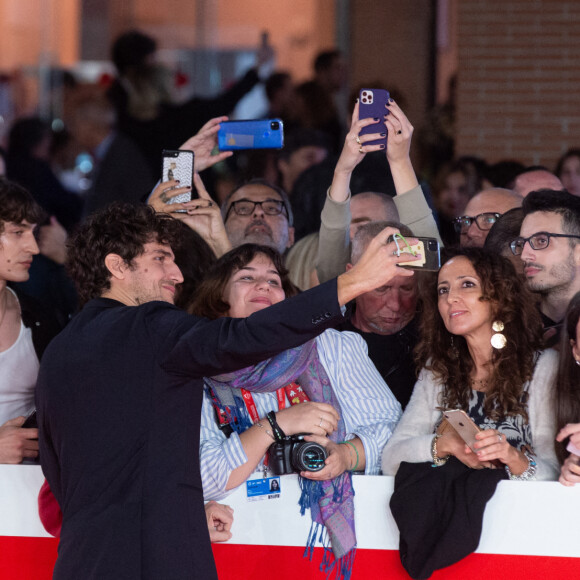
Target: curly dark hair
{"type": "Point", "coordinates": [568, 379]}
{"type": "Point", "coordinates": [17, 205]}
{"type": "Point", "coordinates": [450, 360]}
{"type": "Point", "coordinates": [209, 300]}
{"type": "Point", "coordinates": [119, 228]}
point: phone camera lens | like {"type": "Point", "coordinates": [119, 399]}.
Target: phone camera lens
{"type": "Point", "coordinates": [275, 126]}
{"type": "Point", "coordinates": [433, 246]}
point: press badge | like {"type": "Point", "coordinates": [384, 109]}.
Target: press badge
{"type": "Point", "coordinates": [263, 488]}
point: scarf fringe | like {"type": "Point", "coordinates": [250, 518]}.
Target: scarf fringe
{"type": "Point", "coordinates": [340, 569]}
{"type": "Point", "coordinates": [334, 569]}
{"type": "Point", "coordinates": [311, 492]}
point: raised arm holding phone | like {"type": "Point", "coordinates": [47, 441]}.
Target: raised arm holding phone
{"type": "Point", "coordinates": [334, 244]}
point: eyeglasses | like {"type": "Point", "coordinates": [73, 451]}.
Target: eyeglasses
{"type": "Point", "coordinates": [484, 221]}
{"type": "Point", "coordinates": [246, 207]}
{"type": "Point", "coordinates": [539, 241]}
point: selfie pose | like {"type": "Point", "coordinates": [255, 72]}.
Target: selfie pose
{"type": "Point", "coordinates": [327, 388]}
{"type": "Point", "coordinates": [478, 352]}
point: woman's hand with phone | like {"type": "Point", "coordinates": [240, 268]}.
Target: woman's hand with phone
{"type": "Point", "coordinates": [450, 443]}
{"type": "Point", "coordinates": [162, 194]}
{"type": "Point", "coordinates": [204, 216]}
{"type": "Point", "coordinates": [204, 142]}
{"type": "Point", "coordinates": [492, 445]}
{"type": "Point", "coordinates": [355, 146]}
{"type": "Point", "coordinates": [399, 134]}
{"type": "Point", "coordinates": [570, 471]}
{"type": "Point", "coordinates": [352, 154]}
{"type": "Point", "coordinates": [571, 430]}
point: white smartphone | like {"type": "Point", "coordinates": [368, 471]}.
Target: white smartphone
{"type": "Point", "coordinates": [573, 449]}
{"type": "Point", "coordinates": [464, 426]}
{"type": "Point", "coordinates": [178, 164]}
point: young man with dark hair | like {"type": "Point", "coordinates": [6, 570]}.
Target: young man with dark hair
{"type": "Point", "coordinates": [549, 246]}
{"type": "Point", "coordinates": [25, 329]}
{"type": "Point", "coordinates": [120, 390]}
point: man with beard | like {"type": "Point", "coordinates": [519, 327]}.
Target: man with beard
{"type": "Point", "coordinates": [259, 212]}
{"type": "Point", "coordinates": [549, 246]}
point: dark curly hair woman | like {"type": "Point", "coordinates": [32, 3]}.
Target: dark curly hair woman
{"type": "Point", "coordinates": [481, 370]}
{"type": "Point", "coordinates": [479, 353]}
{"type": "Point", "coordinates": [568, 396]}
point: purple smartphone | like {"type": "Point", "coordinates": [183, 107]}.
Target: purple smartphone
{"type": "Point", "coordinates": [371, 103]}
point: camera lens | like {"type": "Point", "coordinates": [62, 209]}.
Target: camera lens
{"type": "Point", "coordinates": [275, 126]}
{"type": "Point", "coordinates": [432, 246]}
{"type": "Point", "coordinates": [308, 456]}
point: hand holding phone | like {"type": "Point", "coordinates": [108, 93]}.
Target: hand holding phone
{"type": "Point", "coordinates": [430, 255]}
{"type": "Point", "coordinates": [251, 134]}
{"type": "Point", "coordinates": [372, 104]}
{"type": "Point", "coordinates": [573, 449]}
{"type": "Point", "coordinates": [178, 165]}
{"type": "Point", "coordinates": [464, 426]}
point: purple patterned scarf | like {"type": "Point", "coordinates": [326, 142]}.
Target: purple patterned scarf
{"type": "Point", "coordinates": [331, 502]}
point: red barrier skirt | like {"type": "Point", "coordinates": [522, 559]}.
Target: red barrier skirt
{"type": "Point", "coordinates": [530, 532]}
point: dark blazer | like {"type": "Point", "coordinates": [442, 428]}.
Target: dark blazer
{"type": "Point", "coordinates": [119, 400]}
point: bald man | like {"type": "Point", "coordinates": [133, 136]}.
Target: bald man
{"type": "Point", "coordinates": [481, 213]}
{"type": "Point", "coordinates": [536, 178]}
{"type": "Point", "coordinates": [369, 207]}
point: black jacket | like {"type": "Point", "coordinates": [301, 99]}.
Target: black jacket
{"type": "Point", "coordinates": [119, 399]}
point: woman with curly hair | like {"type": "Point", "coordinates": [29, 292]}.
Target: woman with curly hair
{"type": "Point", "coordinates": [479, 353]}
{"type": "Point", "coordinates": [568, 396]}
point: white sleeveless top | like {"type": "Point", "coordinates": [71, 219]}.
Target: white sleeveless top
{"type": "Point", "coordinates": [18, 373]}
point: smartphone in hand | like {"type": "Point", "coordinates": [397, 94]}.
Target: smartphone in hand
{"type": "Point", "coordinates": [178, 164]}
{"type": "Point", "coordinates": [573, 449]}
{"type": "Point", "coordinates": [430, 255]}
{"type": "Point", "coordinates": [464, 426]}
{"type": "Point", "coordinates": [372, 104]}
{"type": "Point", "coordinates": [251, 134]}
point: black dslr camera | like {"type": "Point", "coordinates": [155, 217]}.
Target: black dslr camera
{"type": "Point", "coordinates": [291, 454]}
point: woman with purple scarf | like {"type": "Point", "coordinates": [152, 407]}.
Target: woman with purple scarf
{"type": "Point", "coordinates": [344, 404]}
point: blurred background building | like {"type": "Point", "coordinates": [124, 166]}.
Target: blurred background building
{"type": "Point", "coordinates": [498, 78]}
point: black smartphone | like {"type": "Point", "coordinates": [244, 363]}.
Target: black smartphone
{"type": "Point", "coordinates": [30, 422]}
{"type": "Point", "coordinates": [430, 255]}
{"type": "Point", "coordinates": [178, 164]}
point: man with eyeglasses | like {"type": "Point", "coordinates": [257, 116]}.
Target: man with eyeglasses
{"type": "Point", "coordinates": [549, 246]}
{"type": "Point", "coordinates": [259, 212]}
{"type": "Point", "coordinates": [481, 213]}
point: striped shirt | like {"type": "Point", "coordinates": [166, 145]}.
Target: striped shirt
{"type": "Point", "coordinates": [369, 409]}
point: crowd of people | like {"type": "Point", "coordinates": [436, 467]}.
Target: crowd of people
{"type": "Point", "coordinates": [164, 348]}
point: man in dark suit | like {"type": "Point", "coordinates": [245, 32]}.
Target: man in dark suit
{"type": "Point", "coordinates": [120, 391]}
{"type": "Point", "coordinates": [120, 172]}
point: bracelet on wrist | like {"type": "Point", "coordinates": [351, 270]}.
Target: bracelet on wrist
{"type": "Point", "coordinates": [355, 450]}
{"type": "Point", "coordinates": [266, 430]}
{"type": "Point", "coordinates": [437, 461]}
{"type": "Point", "coordinates": [276, 429]}
{"type": "Point", "coordinates": [528, 473]}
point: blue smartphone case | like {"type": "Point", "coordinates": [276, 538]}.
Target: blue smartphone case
{"type": "Point", "coordinates": [371, 103]}
{"type": "Point", "coordinates": [254, 134]}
